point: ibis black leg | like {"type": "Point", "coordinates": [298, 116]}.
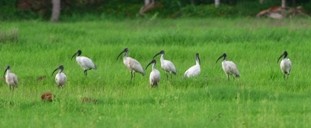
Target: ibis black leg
{"type": "Point", "coordinates": [132, 75]}
{"type": "Point", "coordinates": [85, 72]}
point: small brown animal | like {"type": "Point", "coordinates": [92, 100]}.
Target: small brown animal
{"type": "Point", "coordinates": [47, 96]}
{"type": "Point", "coordinates": [279, 12]}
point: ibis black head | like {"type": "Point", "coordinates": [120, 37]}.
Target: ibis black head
{"type": "Point", "coordinates": [159, 53]}
{"type": "Point", "coordinates": [124, 51]}
{"type": "Point", "coordinates": [197, 57]}
{"type": "Point", "coordinates": [8, 67]}
{"type": "Point", "coordinates": [153, 61]}
{"type": "Point", "coordinates": [224, 56]}
{"type": "Point", "coordinates": [162, 52]}
{"type": "Point", "coordinates": [61, 68]}
{"type": "Point", "coordinates": [284, 55]}
{"type": "Point", "coordinates": [78, 53]}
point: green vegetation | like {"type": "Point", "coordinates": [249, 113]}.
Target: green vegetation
{"type": "Point", "coordinates": [77, 10]}
{"type": "Point", "coordinates": [260, 98]}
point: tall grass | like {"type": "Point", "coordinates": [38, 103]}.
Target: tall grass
{"type": "Point", "coordinates": [260, 98]}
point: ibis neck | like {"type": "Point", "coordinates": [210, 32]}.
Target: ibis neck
{"type": "Point", "coordinates": [125, 54]}
{"type": "Point", "coordinates": [197, 62]}
{"type": "Point", "coordinates": [162, 57]}
{"type": "Point", "coordinates": [153, 66]}
{"type": "Point", "coordinates": [8, 71]}
{"type": "Point", "coordinates": [225, 58]}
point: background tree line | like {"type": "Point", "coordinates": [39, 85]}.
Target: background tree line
{"type": "Point", "coordinates": [75, 9]}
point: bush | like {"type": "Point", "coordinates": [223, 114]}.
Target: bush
{"type": "Point", "coordinates": [208, 11]}
{"type": "Point", "coordinates": [102, 9]}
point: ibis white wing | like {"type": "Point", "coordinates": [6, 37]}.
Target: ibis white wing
{"type": "Point", "coordinates": [60, 79]}
{"type": "Point", "coordinates": [286, 65]}
{"type": "Point", "coordinates": [193, 71]}
{"type": "Point", "coordinates": [134, 65]}
{"type": "Point", "coordinates": [85, 62]}
{"type": "Point", "coordinates": [154, 77]}
{"type": "Point", "coordinates": [168, 66]}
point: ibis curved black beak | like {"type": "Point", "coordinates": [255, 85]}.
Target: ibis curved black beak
{"type": "Point", "coordinates": [161, 52]}
{"type": "Point", "coordinates": [7, 68]}
{"type": "Point", "coordinates": [74, 55]}
{"type": "Point", "coordinates": [156, 55]}
{"type": "Point", "coordinates": [222, 56]}
{"type": "Point", "coordinates": [120, 55]}
{"type": "Point", "coordinates": [54, 71]}
{"type": "Point", "coordinates": [125, 50]}
{"type": "Point", "coordinates": [151, 62]}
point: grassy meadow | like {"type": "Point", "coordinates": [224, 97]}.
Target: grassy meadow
{"type": "Point", "coordinates": [259, 98]}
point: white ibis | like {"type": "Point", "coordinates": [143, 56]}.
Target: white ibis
{"type": "Point", "coordinates": [154, 77]}
{"type": "Point", "coordinates": [285, 64]}
{"type": "Point", "coordinates": [132, 64]}
{"type": "Point", "coordinates": [10, 78]}
{"type": "Point", "coordinates": [166, 65]}
{"type": "Point", "coordinates": [85, 62]}
{"type": "Point", "coordinates": [195, 69]}
{"type": "Point", "coordinates": [60, 77]}
{"type": "Point", "coordinates": [229, 67]}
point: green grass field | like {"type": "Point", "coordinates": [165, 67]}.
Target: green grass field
{"type": "Point", "coordinates": [259, 98]}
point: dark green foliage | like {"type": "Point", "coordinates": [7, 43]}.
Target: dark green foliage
{"type": "Point", "coordinates": [209, 11]}
{"type": "Point", "coordinates": [109, 9]}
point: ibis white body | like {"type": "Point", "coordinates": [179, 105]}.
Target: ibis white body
{"type": "Point", "coordinates": [60, 79]}
{"type": "Point", "coordinates": [85, 63]}
{"type": "Point", "coordinates": [230, 68]}
{"type": "Point", "coordinates": [154, 77]}
{"type": "Point", "coordinates": [286, 66]}
{"type": "Point", "coordinates": [194, 70]}
{"type": "Point", "coordinates": [167, 65]}
{"type": "Point", "coordinates": [133, 65]}
{"type": "Point", "coordinates": [11, 79]}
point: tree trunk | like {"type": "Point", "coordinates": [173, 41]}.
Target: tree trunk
{"type": "Point", "coordinates": [149, 5]}
{"type": "Point", "coordinates": [147, 2]}
{"type": "Point", "coordinates": [283, 3]}
{"type": "Point", "coordinates": [217, 3]}
{"type": "Point", "coordinates": [55, 10]}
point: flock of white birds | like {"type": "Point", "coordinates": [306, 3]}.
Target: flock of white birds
{"type": "Point", "coordinates": [229, 67]}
